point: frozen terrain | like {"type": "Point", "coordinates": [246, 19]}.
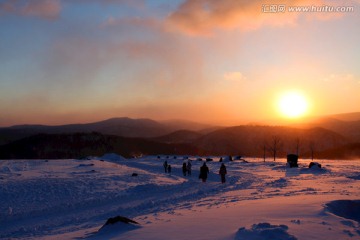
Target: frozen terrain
{"type": "Point", "coordinates": [72, 199]}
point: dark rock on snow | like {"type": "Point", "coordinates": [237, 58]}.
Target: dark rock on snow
{"type": "Point", "coordinates": [314, 164]}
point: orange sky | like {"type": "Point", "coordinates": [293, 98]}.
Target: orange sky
{"type": "Point", "coordinates": [224, 62]}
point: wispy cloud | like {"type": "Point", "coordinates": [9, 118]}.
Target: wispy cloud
{"type": "Point", "coordinates": [204, 17]}
{"type": "Point", "coordinates": [234, 76]}
{"type": "Point", "coordinates": [347, 78]}
{"type": "Point", "coordinates": [51, 9]}
{"type": "Point", "coordinates": [47, 9]}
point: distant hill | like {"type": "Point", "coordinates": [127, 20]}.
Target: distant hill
{"type": "Point", "coordinates": [327, 136]}
{"type": "Point", "coordinates": [77, 145]}
{"type": "Point", "coordinates": [349, 129]}
{"type": "Point", "coordinates": [125, 127]}
{"type": "Point", "coordinates": [355, 116]}
{"type": "Point", "coordinates": [240, 140]}
{"type": "Point", "coordinates": [249, 140]}
{"type": "Point", "coordinates": [348, 151]}
{"type": "Point", "coordinates": [180, 124]}
{"type": "Point", "coordinates": [181, 136]}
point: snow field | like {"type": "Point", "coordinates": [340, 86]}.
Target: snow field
{"type": "Point", "coordinates": [68, 199]}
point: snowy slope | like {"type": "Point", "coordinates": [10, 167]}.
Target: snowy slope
{"type": "Point", "coordinates": [71, 199]}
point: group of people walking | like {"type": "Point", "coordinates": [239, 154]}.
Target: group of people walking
{"type": "Point", "coordinates": [186, 168]}
{"type": "Point", "coordinates": [167, 167]}
{"type": "Point", "coordinates": [204, 170]}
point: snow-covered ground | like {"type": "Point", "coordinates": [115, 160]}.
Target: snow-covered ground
{"type": "Point", "coordinates": [72, 199]}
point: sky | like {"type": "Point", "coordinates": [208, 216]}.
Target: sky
{"type": "Point", "coordinates": [222, 62]}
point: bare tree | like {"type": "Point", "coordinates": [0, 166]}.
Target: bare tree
{"type": "Point", "coordinates": [312, 149]}
{"type": "Point", "coordinates": [297, 145]}
{"type": "Point", "coordinates": [263, 148]}
{"type": "Point", "coordinates": [275, 145]}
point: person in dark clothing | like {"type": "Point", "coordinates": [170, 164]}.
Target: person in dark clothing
{"type": "Point", "coordinates": [165, 166]}
{"type": "Point", "coordinates": [169, 168]}
{"type": "Point", "coordinates": [204, 170]}
{"type": "Point", "coordinates": [184, 168]}
{"type": "Point", "coordinates": [188, 168]}
{"type": "Point", "coordinates": [222, 172]}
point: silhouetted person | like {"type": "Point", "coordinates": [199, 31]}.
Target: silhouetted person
{"type": "Point", "coordinates": [188, 168]}
{"type": "Point", "coordinates": [222, 172]}
{"type": "Point", "coordinates": [169, 168]}
{"type": "Point", "coordinates": [204, 170]}
{"type": "Point", "coordinates": [165, 166]}
{"type": "Point", "coordinates": [184, 169]}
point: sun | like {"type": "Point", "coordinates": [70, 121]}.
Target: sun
{"type": "Point", "coordinates": [293, 104]}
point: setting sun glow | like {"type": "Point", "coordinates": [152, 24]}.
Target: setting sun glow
{"type": "Point", "coordinates": [292, 105]}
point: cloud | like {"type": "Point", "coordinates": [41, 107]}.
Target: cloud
{"type": "Point", "coordinates": [173, 61]}
{"type": "Point", "coordinates": [47, 9]}
{"type": "Point", "coordinates": [234, 76]}
{"type": "Point", "coordinates": [204, 17]}
{"type": "Point", "coordinates": [134, 4]}
{"type": "Point", "coordinates": [51, 9]}
{"type": "Point", "coordinates": [140, 59]}
{"type": "Point", "coordinates": [338, 77]}
{"type": "Point", "coordinates": [135, 23]}
{"type": "Point", "coordinates": [137, 4]}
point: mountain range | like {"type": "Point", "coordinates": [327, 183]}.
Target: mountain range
{"type": "Point", "coordinates": [125, 127]}
{"type": "Point", "coordinates": [336, 136]}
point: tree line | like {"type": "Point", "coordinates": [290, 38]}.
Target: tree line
{"type": "Point", "coordinates": [275, 145]}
